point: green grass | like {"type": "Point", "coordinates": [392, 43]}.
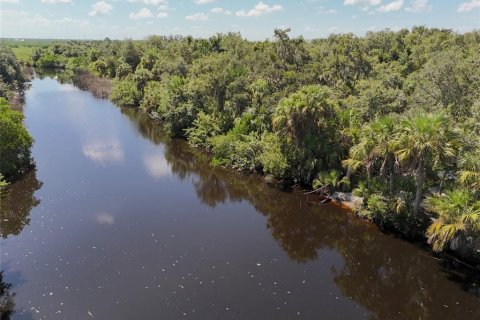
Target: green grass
{"type": "Point", "coordinates": [23, 53]}
{"type": "Point", "coordinates": [24, 49]}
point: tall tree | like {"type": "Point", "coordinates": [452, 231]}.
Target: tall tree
{"type": "Point", "coordinates": [425, 140]}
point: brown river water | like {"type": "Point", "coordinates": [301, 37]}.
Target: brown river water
{"type": "Point", "coordinates": [121, 222]}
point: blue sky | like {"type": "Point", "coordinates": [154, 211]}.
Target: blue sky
{"type": "Point", "coordinates": [118, 19]}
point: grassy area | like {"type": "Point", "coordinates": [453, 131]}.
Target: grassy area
{"type": "Point", "coordinates": [23, 48]}
{"type": "Point", "coordinates": [23, 53]}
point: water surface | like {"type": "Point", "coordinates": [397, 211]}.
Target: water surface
{"type": "Point", "coordinates": [121, 222]}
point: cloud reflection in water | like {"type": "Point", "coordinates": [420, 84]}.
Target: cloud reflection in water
{"type": "Point", "coordinates": [105, 218]}
{"type": "Point", "coordinates": [156, 165]}
{"type": "Point", "coordinates": [104, 152]}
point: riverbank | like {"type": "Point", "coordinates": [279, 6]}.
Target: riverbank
{"type": "Point", "coordinates": [285, 108]}
{"type": "Point", "coordinates": [132, 223]}
{"type": "Point", "coordinates": [15, 140]}
{"type": "Point", "coordinates": [101, 88]}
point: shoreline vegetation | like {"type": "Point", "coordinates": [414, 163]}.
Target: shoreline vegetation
{"type": "Point", "coordinates": [391, 119]}
{"type": "Point", "coordinates": [15, 141]}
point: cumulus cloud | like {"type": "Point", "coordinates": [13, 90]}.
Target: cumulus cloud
{"type": "Point", "coordinates": [419, 6]}
{"type": "Point", "coordinates": [203, 1]}
{"type": "Point", "coordinates": [260, 9]}
{"type": "Point", "coordinates": [101, 8]}
{"type": "Point", "coordinates": [162, 6]}
{"type": "Point", "coordinates": [221, 11]}
{"type": "Point", "coordinates": [25, 19]}
{"type": "Point", "coordinates": [56, 1]}
{"type": "Point", "coordinates": [362, 2]}
{"type": "Point", "coordinates": [392, 6]}
{"type": "Point", "coordinates": [149, 2]}
{"type": "Point", "coordinates": [143, 13]}
{"type": "Point", "coordinates": [197, 17]}
{"type": "Point", "coordinates": [468, 6]}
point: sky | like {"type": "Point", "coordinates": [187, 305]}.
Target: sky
{"type": "Point", "coordinates": [256, 20]}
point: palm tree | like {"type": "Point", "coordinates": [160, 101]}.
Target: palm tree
{"type": "Point", "coordinates": [305, 113]}
{"type": "Point", "coordinates": [376, 145]}
{"type": "Point", "coordinates": [307, 120]}
{"type": "Point", "coordinates": [385, 129]}
{"type": "Point", "coordinates": [425, 140]}
{"type": "Point", "coordinates": [469, 173]}
{"type": "Point", "coordinates": [329, 181]}
{"type": "Point", "coordinates": [458, 217]}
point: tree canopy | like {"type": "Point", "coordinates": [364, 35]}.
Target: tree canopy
{"type": "Point", "coordinates": [392, 116]}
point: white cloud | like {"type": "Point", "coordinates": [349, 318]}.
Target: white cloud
{"type": "Point", "coordinates": [468, 6]}
{"type": "Point", "coordinates": [203, 1]}
{"type": "Point", "coordinates": [9, 1]}
{"type": "Point", "coordinates": [221, 11]}
{"type": "Point", "coordinates": [25, 19]}
{"type": "Point", "coordinates": [260, 9]}
{"type": "Point", "coordinates": [141, 14]}
{"type": "Point", "coordinates": [100, 8]}
{"type": "Point", "coordinates": [419, 6]}
{"type": "Point", "coordinates": [197, 17]}
{"type": "Point", "coordinates": [71, 22]}
{"type": "Point", "coordinates": [324, 10]}
{"type": "Point", "coordinates": [392, 6]}
{"type": "Point", "coordinates": [362, 2]}
{"type": "Point", "coordinates": [162, 11]}
{"type": "Point", "coordinates": [56, 1]}
{"type": "Point", "coordinates": [149, 2]}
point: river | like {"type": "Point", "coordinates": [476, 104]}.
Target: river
{"type": "Point", "coordinates": [121, 222]}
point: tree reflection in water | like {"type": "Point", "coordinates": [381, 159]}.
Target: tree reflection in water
{"type": "Point", "coordinates": [145, 126]}
{"type": "Point", "coordinates": [7, 299]}
{"type": "Point", "coordinates": [392, 278]}
{"type": "Point", "coordinates": [17, 200]}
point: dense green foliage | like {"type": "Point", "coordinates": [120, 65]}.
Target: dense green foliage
{"type": "Point", "coordinates": [392, 116]}
{"type": "Point", "coordinates": [11, 76]}
{"type": "Point", "coordinates": [15, 142]}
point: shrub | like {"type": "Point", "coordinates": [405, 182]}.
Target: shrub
{"type": "Point", "coordinates": [49, 60]}
{"type": "Point", "coordinates": [15, 142]}
{"type": "Point", "coordinates": [123, 70]}
{"type": "Point", "coordinates": [237, 151]}
{"type": "Point", "coordinates": [154, 93]}
{"type": "Point", "coordinates": [125, 93]}
{"type": "Point", "coordinates": [204, 128]}
{"type": "Point", "coordinates": [180, 117]}
{"type": "Point", "coordinates": [272, 159]}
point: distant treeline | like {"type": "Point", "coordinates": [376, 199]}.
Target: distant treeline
{"type": "Point", "coordinates": [393, 117]}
